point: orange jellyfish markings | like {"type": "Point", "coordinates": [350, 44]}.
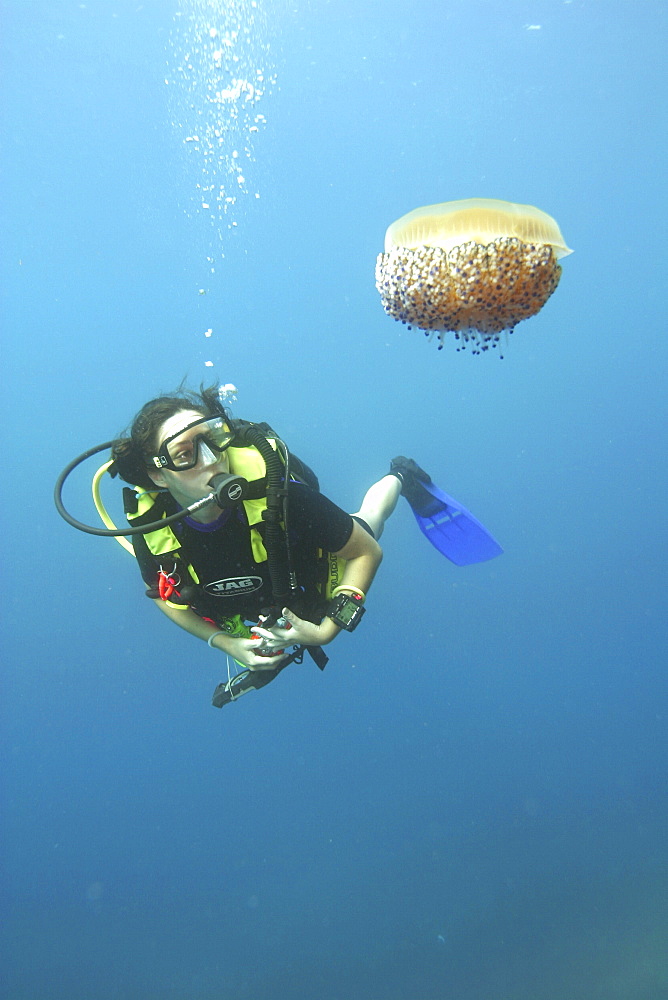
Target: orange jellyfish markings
{"type": "Point", "coordinates": [475, 268]}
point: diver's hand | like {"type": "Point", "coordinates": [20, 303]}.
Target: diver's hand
{"type": "Point", "coordinates": [300, 632]}
{"type": "Point", "coordinates": [246, 652]}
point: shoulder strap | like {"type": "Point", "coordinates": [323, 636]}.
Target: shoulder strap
{"type": "Point", "coordinates": [151, 549]}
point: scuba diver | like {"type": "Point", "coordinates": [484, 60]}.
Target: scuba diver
{"type": "Point", "coordinates": [238, 547]}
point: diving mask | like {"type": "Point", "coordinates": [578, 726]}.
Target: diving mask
{"type": "Point", "coordinates": [204, 439]}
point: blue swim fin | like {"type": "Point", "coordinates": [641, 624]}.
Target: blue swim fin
{"type": "Point", "coordinates": [452, 529]}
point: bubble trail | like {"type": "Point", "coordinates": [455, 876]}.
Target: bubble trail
{"type": "Point", "coordinates": [219, 73]}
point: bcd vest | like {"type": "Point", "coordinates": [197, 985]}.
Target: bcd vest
{"type": "Point", "coordinates": [160, 552]}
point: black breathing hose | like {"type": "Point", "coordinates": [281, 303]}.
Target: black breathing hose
{"type": "Point", "coordinates": [115, 532]}
{"type": "Point", "coordinates": [283, 583]}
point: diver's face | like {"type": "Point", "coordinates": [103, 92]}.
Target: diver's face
{"type": "Point", "coordinates": [190, 484]}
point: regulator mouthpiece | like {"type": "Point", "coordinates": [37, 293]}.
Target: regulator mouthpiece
{"type": "Point", "coordinates": [228, 489]}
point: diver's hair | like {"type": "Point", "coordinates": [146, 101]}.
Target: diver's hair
{"type": "Point", "coordinates": [132, 452]}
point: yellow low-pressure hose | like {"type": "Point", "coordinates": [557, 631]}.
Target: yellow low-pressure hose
{"type": "Point", "coordinates": [102, 510]}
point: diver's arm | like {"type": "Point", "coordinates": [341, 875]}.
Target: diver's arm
{"type": "Point", "coordinates": [363, 556]}
{"type": "Point", "coordinates": [243, 650]}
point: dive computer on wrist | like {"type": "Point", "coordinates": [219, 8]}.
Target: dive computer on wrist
{"type": "Point", "coordinates": [346, 610]}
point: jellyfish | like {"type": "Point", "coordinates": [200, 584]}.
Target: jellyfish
{"type": "Point", "coordinates": [475, 267]}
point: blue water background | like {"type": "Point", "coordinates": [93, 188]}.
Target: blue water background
{"type": "Point", "coordinates": [470, 802]}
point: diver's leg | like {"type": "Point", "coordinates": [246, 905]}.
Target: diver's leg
{"type": "Point", "coordinates": [379, 502]}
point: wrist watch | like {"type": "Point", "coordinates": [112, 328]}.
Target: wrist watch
{"type": "Point", "coordinates": [346, 610]}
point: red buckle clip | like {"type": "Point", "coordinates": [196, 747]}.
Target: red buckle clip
{"type": "Point", "coordinates": [167, 583]}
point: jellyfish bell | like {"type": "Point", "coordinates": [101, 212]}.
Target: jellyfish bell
{"type": "Point", "coordinates": [475, 267]}
{"type": "Point", "coordinates": [475, 220]}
